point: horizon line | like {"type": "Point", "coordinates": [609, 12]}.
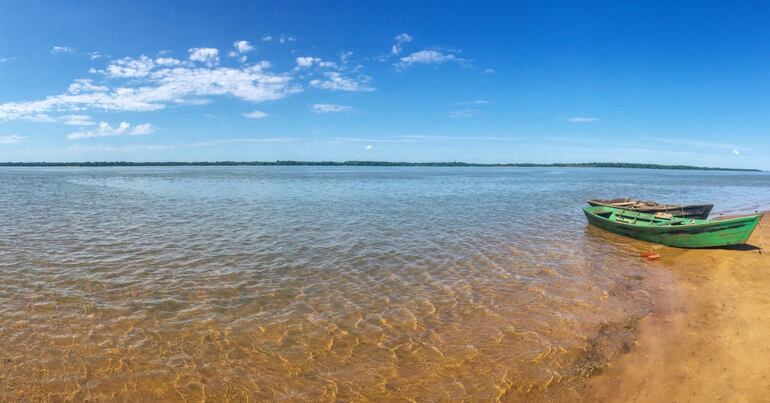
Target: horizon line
{"type": "Point", "coordinates": [374, 163]}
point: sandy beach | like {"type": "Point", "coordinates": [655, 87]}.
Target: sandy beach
{"type": "Point", "coordinates": [706, 339]}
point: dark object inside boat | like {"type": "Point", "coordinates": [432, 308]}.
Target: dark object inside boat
{"type": "Point", "coordinates": [700, 211]}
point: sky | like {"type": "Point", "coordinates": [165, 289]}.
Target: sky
{"type": "Point", "coordinates": [649, 82]}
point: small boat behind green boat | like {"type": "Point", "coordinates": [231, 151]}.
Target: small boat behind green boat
{"type": "Point", "coordinates": [673, 231]}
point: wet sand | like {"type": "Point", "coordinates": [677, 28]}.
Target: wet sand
{"type": "Point", "coordinates": [708, 337]}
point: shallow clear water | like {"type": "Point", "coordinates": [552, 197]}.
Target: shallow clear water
{"type": "Point", "coordinates": [320, 283]}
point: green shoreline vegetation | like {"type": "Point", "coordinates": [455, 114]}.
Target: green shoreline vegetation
{"type": "Point", "coordinates": [364, 164]}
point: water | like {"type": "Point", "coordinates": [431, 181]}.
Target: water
{"type": "Point", "coordinates": [314, 283]}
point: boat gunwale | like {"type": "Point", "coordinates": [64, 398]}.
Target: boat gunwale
{"type": "Point", "coordinates": [702, 224]}
{"type": "Point", "coordinates": [646, 204]}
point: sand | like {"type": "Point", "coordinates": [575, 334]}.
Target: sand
{"type": "Point", "coordinates": [708, 337]}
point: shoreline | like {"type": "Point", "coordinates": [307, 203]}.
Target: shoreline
{"type": "Point", "coordinates": [705, 338]}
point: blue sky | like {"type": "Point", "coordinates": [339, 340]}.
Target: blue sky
{"type": "Point", "coordinates": [497, 82]}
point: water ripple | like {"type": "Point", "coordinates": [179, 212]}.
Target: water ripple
{"type": "Point", "coordinates": [314, 284]}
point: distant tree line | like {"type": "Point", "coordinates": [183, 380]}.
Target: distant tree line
{"type": "Point", "coordinates": [360, 164]}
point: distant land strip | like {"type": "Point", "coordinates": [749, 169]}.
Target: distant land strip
{"type": "Point", "coordinates": [362, 164]}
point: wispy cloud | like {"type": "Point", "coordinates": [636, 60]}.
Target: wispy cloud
{"type": "Point", "coordinates": [11, 139]}
{"type": "Point", "coordinates": [257, 140]}
{"type": "Point", "coordinates": [128, 67]}
{"type": "Point", "coordinates": [464, 113]}
{"type": "Point", "coordinates": [240, 48]}
{"type": "Point", "coordinates": [475, 102]}
{"type": "Point", "coordinates": [105, 130]}
{"type": "Point", "coordinates": [335, 81]}
{"type": "Point", "coordinates": [209, 56]}
{"type": "Point", "coordinates": [255, 115]}
{"type": "Point", "coordinates": [57, 50]}
{"type": "Point", "coordinates": [330, 108]}
{"type": "Point", "coordinates": [77, 120]}
{"type": "Point", "coordinates": [581, 119]}
{"type": "Point", "coordinates": [160, 147]}
{"type": "Point", "coordinates": [279, 38]}
{"type": "Point", "coordinates": [168, 61]}
{"type": "Point", "coordinates": [153, 85]}
{"type": "Point", "coordinates": [428, 56]}
{"type": "Point", "coordinates": [400, 40]}
{"type": "Point", "coordinates": [462, 138]}
{"type": "Point", "coordinates": [143, 84]}
{"type": "Point", "coordinates": [369, 140]}
{"type": "Point", "coordinates": [736, 152]}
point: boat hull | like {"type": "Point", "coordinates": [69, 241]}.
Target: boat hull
{"type": "Point", "coordinates": [700, 211]}
{"type": "Point", "coordinates": [691, 234]}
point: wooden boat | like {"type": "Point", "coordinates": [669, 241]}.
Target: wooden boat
{"type": "Point", "coordinates": [651, 207]}
{"type": "Point", "coordinates": [668, 230]}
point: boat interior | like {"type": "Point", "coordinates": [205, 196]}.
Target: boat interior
{"type": "Point", "coordinates": [633, 217]}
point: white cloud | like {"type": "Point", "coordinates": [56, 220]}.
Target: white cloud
{"type": "Point", "coordinates": [400, 39]}
{"type": "Point", "coordinates": [167, 61]}
{"type": "Point", "coordinates": [489, 71]}
{"type": "Point", "coordinates": [330, 108]}
{"type": "Point", "coordinates": [142, 129]}
{"type": "Point", "coordinates": [143, 84]}
{"type": "Point", "coordinates": [580, 119]}
{"type": "Point", "coordinates": [95, 55]}
{"type": "Point", "coordinates": [307, 61]}
{"type": "Point", "coordinates": [736, 152]}
{"type": "Point", "coordinates": [77, 120]}
{"type": "Point", "coordinates": [61, 49]}
{"type": "Point", "coordinates": [130, 68]}
{"type": "Point", "coordinates": [209, 56]}
{"type": "Point", "coordinates": [428, 56]}
{"type": "Point", "coordinates": [153, 88]}
{"type": "Point", "coordinates": [105, 130]}
{"type": "Point", "coordinates": [255, 115]}
{"type": "Point", "coordinates": [82, 85]}
{"type": "Point", "coordinates": [243, 46]}
{"type": "Point", "coordinates": [11, 139]}
{"type": "Point", "coordinates": [335, 81]}
{"type": "Point", "coordinates": [369, 147]}
{"type": "Point", "coordinates": [6, 59]}
{"type": "Point", "coordinates": [279, 38]}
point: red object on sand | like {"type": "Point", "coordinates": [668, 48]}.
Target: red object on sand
{"type": "Point", "coordinates": [650, 255]}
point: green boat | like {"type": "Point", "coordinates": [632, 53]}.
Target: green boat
{"type": "Point", "coordinates": [673, 231]}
